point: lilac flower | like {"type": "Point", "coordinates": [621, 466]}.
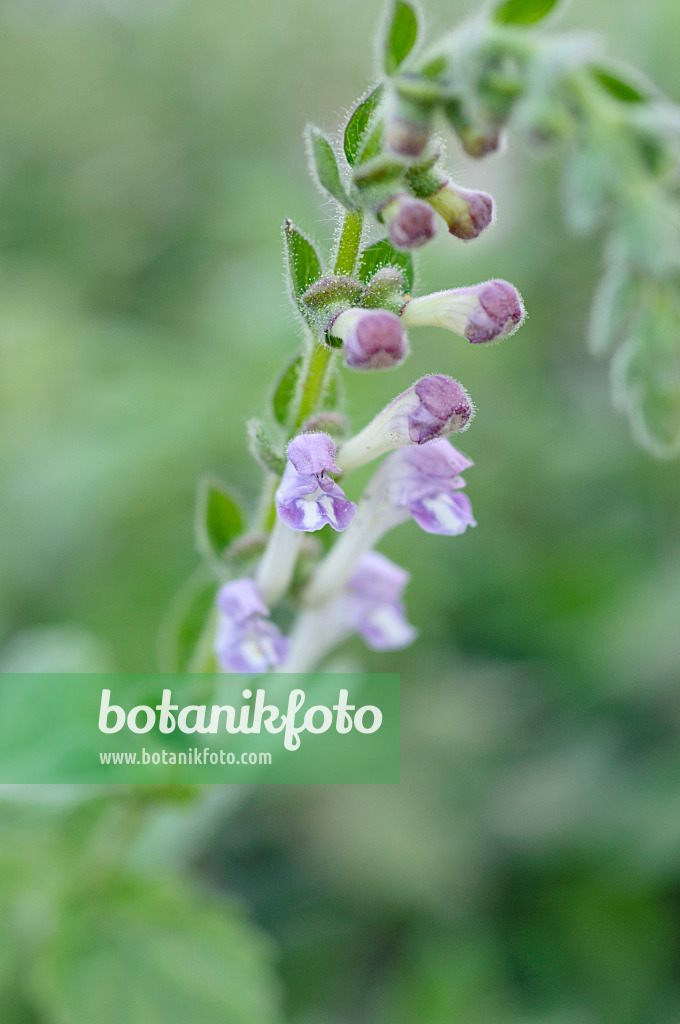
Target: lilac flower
{"type": "Point", "coordinates": [466, 211]}
{"type": "Point", "coordinates": [307, 497]}
{"type": "Point", "coordinates": [411, 223]}
{"type": "Point", "coordinates": [484, 312]}
{"type": "Point", "coordinates": [426, 482]}
{"type": "Point", "coordinates": [434, 406]}
{"type": "Point", "coordinates": [373, 606]}
{"type": "Point", "coordinates": [422, 482]}
{"type": "Point", "coordinates": [245, 640]}
{"type": "Point", "coordinates": [368, 603]}
{"type": "Point", "coordinates": [374, 338]}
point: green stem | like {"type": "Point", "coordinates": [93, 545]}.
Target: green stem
{"type": "Point", "coordinates": [313, 387]}
{"type": "Point", "coordinates": [350, 241]}
{"type": "Point", "coordinates": [321, 357]}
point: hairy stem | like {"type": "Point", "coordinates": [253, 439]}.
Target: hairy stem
{"type": "Point", "coordinates": [322, 357]}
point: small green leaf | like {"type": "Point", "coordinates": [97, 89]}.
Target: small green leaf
{"type": "Point", "coordinates": [186, 623]}
{"type": "Point", "coordinates": [622, 89]}
{"type": "Point", "coordinates": [615, 309]}
{"type": "Point", "coordinates": [262, 449]}
{"type": "Point", "coordinates": [401, 36]}
{"type": "Point", "coordinates": [359, 122]}
{"type": "Point", "coordinates": [286, 391]}
{"type": "Point", "coordinates": [218, 519]}
{"type": "Point", "coordinates": [646, 375]}
{"type": "Point", "coordinates": [587, 188]}
{"type": "Point", "coordinates": [326, 166]}
{"type": "Point", "coordinates": [138, 950]}
{"type": "Point", "coordinates": [523, 12]}
{"type": "Point", "coordinates": [304, 265]}
{"type": "Point", "coordinates": [383, 254]}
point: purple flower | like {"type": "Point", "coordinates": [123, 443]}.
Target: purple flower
{"type": "Point", "coordinates": [425, 482]}
{"type": "Point", "coordinates": [246, 641]}
{"type": "Point", "coordinates": [307, 498]}
{"type": "Point", "coordinates": [374, 338]}
{"type": "Point", "coordinates": [411, 223]}
{"type": "Point", "coordinates": [466, 211]}
{"type": "Point", "coordinates": [434, 406]}
{"type": "Point", "coordinates": [373, 605]}
{"type": "Point", "coordinates": [484, 312]}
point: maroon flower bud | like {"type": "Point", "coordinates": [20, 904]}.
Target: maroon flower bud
{"type": "Point", "coordinates": [484, 312]}
{"type": "Point", "coordinates": [435, 406]}
{"type": "Point", "coordinates": [374, 338]}
{"type": "Point", "coordinates": [411, 222]}
{"type": "Point", "coordinates": [466, 211]}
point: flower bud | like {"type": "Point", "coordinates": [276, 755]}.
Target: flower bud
{"type": "Point", "coordinates": [408, 123]}
{"type": "Point", "coordinates": [482, 313]}
{"type": "Point", "coordinates": [466, 211]}
{"type": "Point", "coordinates": [411, 222]}
{"type": "Point", "coordinates": [434, 406]}
{"type": "Point", "coordinates": [374, 338]}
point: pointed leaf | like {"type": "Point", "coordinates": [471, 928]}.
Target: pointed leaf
{"type": "Point", "coordinates": [304, 265]}
{"type": "Point", "coordinates": [263, 449]}
{"type": "Point", "coordinates": [383, 254]}
{"type": "Point", "coordinates": [219, 519]}
{"type": "Point", "coordinates": [646, 376]}
{"type": "Point", "coordinates": [359, 123]}
{"type": "Point", "coordinates": [401, 36]}
{"type": "Point", "coordinates": [285, 392]}
{"type": "Point", "coordinates": [614, 310]}
{"type": "Point", "coordinates": [523, 12]}
{"type": "Point", "coordinates": [587, 188]}
{"type": "Point", "coordinates": [326, 166]}
{"type": "Point", "coordinates": [622, 89]}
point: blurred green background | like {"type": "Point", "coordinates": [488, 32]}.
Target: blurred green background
{"type": "Point", "coordinates": [527, 869]}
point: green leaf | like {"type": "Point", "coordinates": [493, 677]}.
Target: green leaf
{"type": "Point", "coordinates": [153, 954]}
{"type": "Point", "coordinates": [383, 254]}
{"type": "Point", "coordinates": [589, 179]}
{"type": "Point", "coordinates": [304, 265]}
{"type": "Point", "coordinates": [622, 89]}
{"type": "Point", "coordinates": [218, 519]}
{"type": "Point", "coordinates": [646, 375]}
{"type": "Point", "coordinates": [286, 390]}
{"type": "Point", "coordinates": [262, 448]}
{"type": "Point", "coordinates": [326, 166]}
{"type": "Point", "coordinates": [358, 124]}
{"type": "Point", "coordinates": [186, 622]}
{"type": "Point", "coordinates": [615, 309]}
{"type": "Point", "coordinates": [523, 12]}
{"type": "Point", "coordinates": [401, 36]}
